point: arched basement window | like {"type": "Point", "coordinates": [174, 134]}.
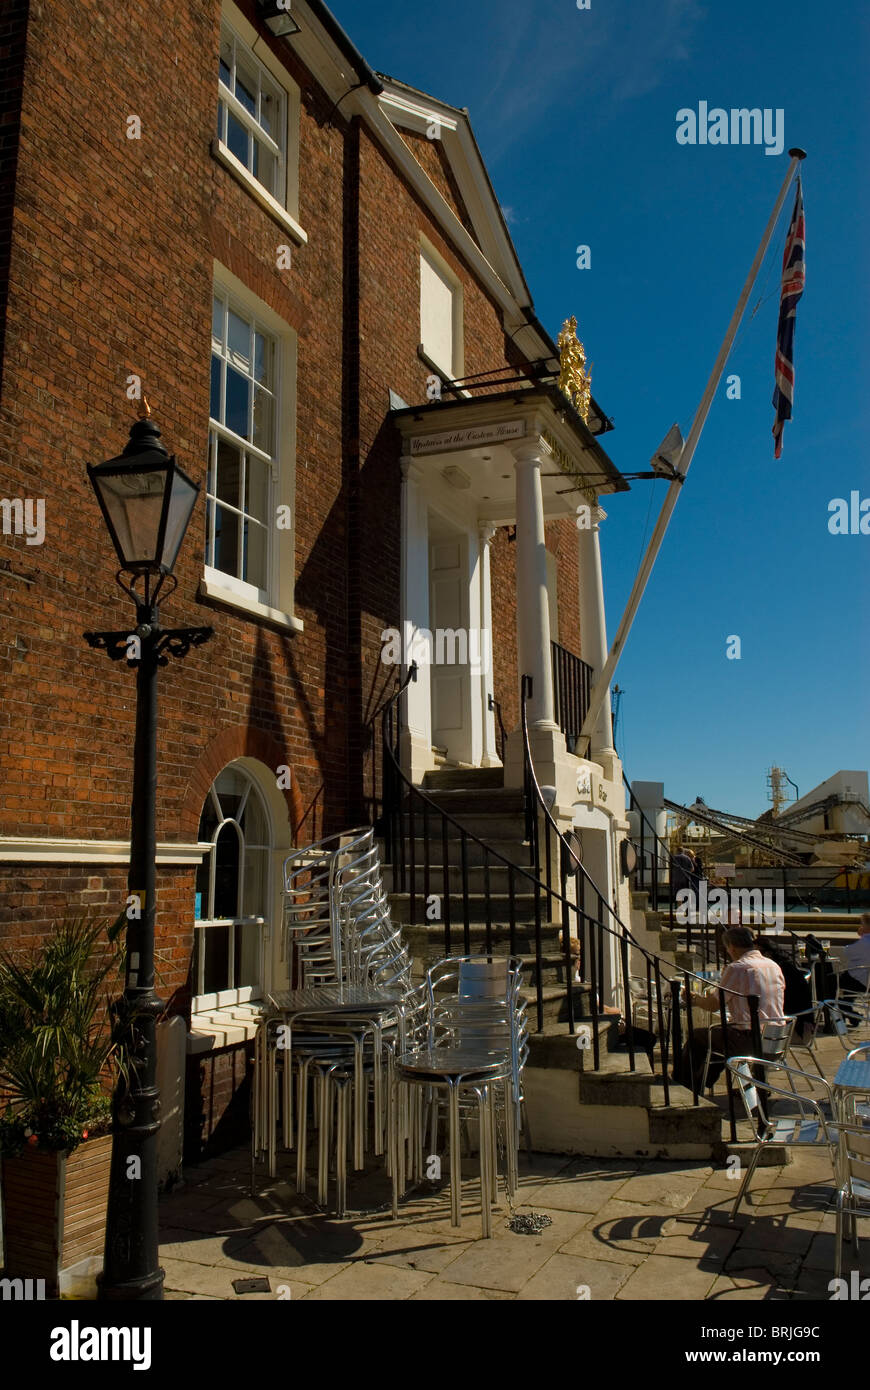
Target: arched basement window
{"type": "Point", "coordinates": [232, 893]}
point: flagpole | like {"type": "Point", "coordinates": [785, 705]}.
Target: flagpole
{"type": "Point", "coordinates": [602, 684]}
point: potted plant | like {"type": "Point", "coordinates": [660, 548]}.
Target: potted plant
{"type": "Point", "coordinates": [58, 1060]}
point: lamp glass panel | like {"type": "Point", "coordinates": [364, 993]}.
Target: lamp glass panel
{"type": "Point", "coordinates": [134, 503]}
{"type": "Point", "coordinates": [182, 500]}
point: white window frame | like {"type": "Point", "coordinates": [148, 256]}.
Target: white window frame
{"type": "Point", "coordinates": [228, 102]}
{"type": "Point", "coordinates": [457, 368]}
{"type": "Point", "coordinates": [217, 430]}
{"type": "Point", "coordinates": [218, 999]}
{"type": "Point", "coordinates": [284, 207]}
{"type": "Point", "coordinates": [275, 604]}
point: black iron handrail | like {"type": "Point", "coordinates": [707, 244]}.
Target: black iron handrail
{"type": "Point", "coordinates": [397, 786]}
{"type": "Point", "coordinates": [654, 962]}
{"type": "Point", "coordinates": [572, 683]}
{"type": "Point", "coordinates": [494, 705]}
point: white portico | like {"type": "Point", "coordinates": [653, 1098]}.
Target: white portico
{"type": "Point", "coordinates": [522, 458]}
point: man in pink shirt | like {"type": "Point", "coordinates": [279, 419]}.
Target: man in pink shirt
{"type": "Point", "coordinates": [749, 973]}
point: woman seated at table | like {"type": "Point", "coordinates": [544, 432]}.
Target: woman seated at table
{"type": "Point", "coordinates": [749, 973]}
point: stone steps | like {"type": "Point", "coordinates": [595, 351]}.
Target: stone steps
{"type": "Point", "coordinates": [464, 779]}
{"type": "Point", "coordinates": [499, 907]}
{"type": "Point", "coordinates": [478, 877]}
{"type": "Point", "coordinates": [511, 847]}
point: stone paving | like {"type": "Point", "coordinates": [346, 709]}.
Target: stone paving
{"type": "Point", "coordinates": [621, 1229]}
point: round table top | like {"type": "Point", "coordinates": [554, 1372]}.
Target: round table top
{"type": "Point", "coordinates": [453, 1061]}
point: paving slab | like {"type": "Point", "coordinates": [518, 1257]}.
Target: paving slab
{"type": "Point", "coordinates": [588, 1245]}
{"type": "Point", "coordinates": [782, 1270]}
{"type": "Point", "coordinates": [772, 1234]}
{"type": "Point", "coordinates": [484, 1264]}
{"type": "Point", "coordinates": [672, 1189]}
{"type": "Point", "coordinates": [563, 1225]}
{"type": "Point", "coordinates": [722, 1180]}
{"type": "Point", "coordinates": [368, 1281]}
{"type": "Point", "coordinates": [571, 1277]}
{"type": "Point", "coordinates": [576, 1192]}
{"type": "Point", "coordinates": [814, 1285]}
{"type": "Point", "coordinates": [621, 1228]}
{"type": "Point", "coordinates": [440, 1291]}
{"type": "Point", "coordinates": [660, 1279]}
{"type": "Point", "coordinates": [753, 1285]}
{"type": "Point", "coordinates": [704, 1245]}
{"type": "Point", "coordinates": [409, 1247]}
{"type": "Point", "coordinates": [630, 1226]}
{"type": "Point", "coordinates": [187, 1277]}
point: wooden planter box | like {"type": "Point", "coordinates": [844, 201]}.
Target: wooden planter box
{"type": "Point", "coordinates": [54, 1209]}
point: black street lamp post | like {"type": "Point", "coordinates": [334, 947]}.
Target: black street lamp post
{"type": "Point", "coordinates": [147, 502]}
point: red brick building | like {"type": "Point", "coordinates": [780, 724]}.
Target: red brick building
{"type": "Point", "coordinates": [293, 258]}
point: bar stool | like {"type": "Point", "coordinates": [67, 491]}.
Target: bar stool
{"type": "Point", "coordinates": [454, 1070]}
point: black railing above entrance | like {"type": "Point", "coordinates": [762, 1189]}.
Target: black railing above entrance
{"type": "Point", "coordinates": [662, 1007]}
{"type": "Point", "coordinates": [464, 891]}
{"type": "Point", "coordinates": [572, 682]}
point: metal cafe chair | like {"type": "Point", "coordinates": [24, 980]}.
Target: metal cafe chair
{"type": "Point", "coordinates": [485, 1010]}
{"type": "Point", "coordinates": [838, 1021]}
{"type": "Point", "coordinates": [803, 1124]}
{"type": "Point", "coordinates": [804, 1039]}
{"type": "Point", "coordinates": [853, 1186]}
{"type": "Point", "coordinates": [333, 901]}
{"type": "Point", "coordinates": [473, 1046]}
{"type": "Point", "coordinates": [775, 1042]}
{"type": "Point", "coordinates": [855, 1004]}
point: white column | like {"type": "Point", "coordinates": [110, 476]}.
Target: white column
{"type": "Point", "coordinates": [593, 625]}
{"type": "Point", "coordinates": [417, 739]}
{"type": "Point", "coordinates": [533, 609]}
{"type": "Point", "coordinates": [489, 754]}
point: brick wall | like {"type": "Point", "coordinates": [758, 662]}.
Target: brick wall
{"type": "Point", "coordinates": [110, 268]}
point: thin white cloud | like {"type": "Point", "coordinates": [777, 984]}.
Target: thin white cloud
{"type": "Point", "coordinates": [536, 59]}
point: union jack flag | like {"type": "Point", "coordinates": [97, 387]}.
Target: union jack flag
{"type": "Point", "coordinates": [793, 281]}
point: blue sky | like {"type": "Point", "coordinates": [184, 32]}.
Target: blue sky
{"type": "Point", "coordinates": [575, 112]}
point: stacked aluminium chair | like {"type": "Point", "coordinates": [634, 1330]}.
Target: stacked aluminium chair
{"type": "Point", "coordinates": [337, 932]}
{"type": "Point", "coordinates": [469, 1046]}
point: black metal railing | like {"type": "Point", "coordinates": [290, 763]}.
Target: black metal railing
{"type": "Point", "coordinates": [593, 930]}
{"type": "Point", "coordinates": [657, 875]}
{"type": "Point", "coordinates": [430, 854]}
{"type": "Point", "coordinates": [572, 682]}
{"type": "Point", "coordinates": [430, 850]}
{"type": "Point", "coordinates": [494, 705]}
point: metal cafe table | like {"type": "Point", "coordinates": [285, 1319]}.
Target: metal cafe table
{"type": "Point", "coordinates": [852, 1079]}
{"type": "Point", "coordinates": [341, 1003]}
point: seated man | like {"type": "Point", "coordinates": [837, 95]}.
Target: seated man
{"type": "Point", "coordinates": [798, 990]}
{"type": "Point", "coordinates": [749, 973]}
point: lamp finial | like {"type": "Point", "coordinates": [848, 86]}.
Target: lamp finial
{"type": "Point", "coordinates": [144, 409]}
